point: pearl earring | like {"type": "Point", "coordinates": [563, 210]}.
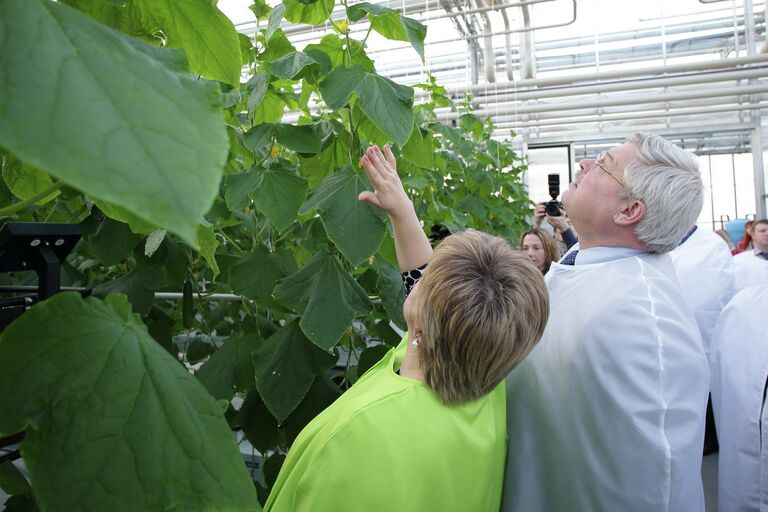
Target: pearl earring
{"type": "Point", "coordinates": [416, 339]}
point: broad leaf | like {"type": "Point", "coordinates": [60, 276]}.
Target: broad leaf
{"type": "Point", "coordinates": [270, 110]}
{"type": "Point", "coordinates": [257, 88]}
{"type": "Point", "coordinates": [206, 240]}
{"type": "Point", "coordinates": [279, 45]}
{"type": "Point", "coordinates": [279, 196]}
{"type": "Point", "coordinates": [113, 241]}
{"type": "Point", "coordinates": [311, 14]}
{"type": "Point", "coordinates": [390, 24]}
{"type": "Point", "coordinates": [239, 188]}
{"type": "Point", "coordinates": [322, 393]}
{"type": "Point", "coordinates": [385, 103]}
{"type": "Point", "coordinates": [258, 424]}
{"type": "Point", "coordinates": [420, 149]}
{"type": "Point", "coordinates": [334, 47]}
{"type": "Point", "coordinates": [275, 17]}
{"type": "Point", "coordinates": [416, 32]}
{"type": "Point", "coordinates": [114, 117]}
{"type": "Point", "coordinates": [258, 137]}
{"type": "Point", "coordinates": [230, 368]}
{"type": "Point", "coordinates": [301, 139]}
{"type": "Point", "coordinates": [392, 292]}
{"type": "Point", "coordinates": [138, 285]}
{"type": "Point", "coordinates": [255, 275]}
{"type": "Point", "coordinates": [26, 182]}
{"type": "Point", "coordinates": [286, 365]}
{"type": "Point", "coordinates": [290, 65]}
{"type": "Point", "coordinates": [112, 421]}
{"type": "Point", "coordinates": [119, 213]}
{"type": "Point", "coordinates": [357, 11]}
{"type": "Point", "coordinates": [208, 37]}
{"type": "Point", "coordinates": [327, 297]}
{"type": "Point", "coordinates": [355, 226]}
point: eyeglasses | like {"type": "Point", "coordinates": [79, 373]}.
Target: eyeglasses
{"type": "Point", "coordinates": [598, 163]}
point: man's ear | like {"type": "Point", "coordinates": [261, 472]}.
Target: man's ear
{"type": "Point", "coordinates": [631, 214]}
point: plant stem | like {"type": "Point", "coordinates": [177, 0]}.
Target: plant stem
{"type": "Point", "coordinates": [333, 23]}
{"type": "Point", "coordinates": [21, 205]}
{"type": "Point", "coordinates": [362, 45]}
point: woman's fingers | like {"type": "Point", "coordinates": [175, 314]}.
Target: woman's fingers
{"type": "Point", "coordinates": [390, 157]}
{"type": "Point", "coordinates": [369, 197]}
{"type": "Point", "coordinates": [373, 173]}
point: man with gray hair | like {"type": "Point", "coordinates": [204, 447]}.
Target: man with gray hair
{"type": "Point", "coordinates": [607, 412]}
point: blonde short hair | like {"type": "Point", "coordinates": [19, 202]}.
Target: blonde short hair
{"type": "Point", "coordinates": [481, 307]}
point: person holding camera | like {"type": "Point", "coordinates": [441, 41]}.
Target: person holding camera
{"type": "Point", "coordinates": [607, 411]}
{"type": "Point", "coordinates": [559, 222]}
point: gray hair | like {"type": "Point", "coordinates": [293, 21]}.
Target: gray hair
{"type": "Point", "coordinates": [666, 178]}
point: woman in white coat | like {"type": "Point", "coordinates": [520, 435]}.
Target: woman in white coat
{"type": "Point", "coordinates": [739, 372]}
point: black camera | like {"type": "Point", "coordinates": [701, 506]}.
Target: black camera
{"type": "Point", "coordinates": [554, 206]}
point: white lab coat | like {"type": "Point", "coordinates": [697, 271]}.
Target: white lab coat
{"type": "Point", "coordinates": [607, 412]}
{"type": "Point", "coordinates": [704, 268]}
{"type": "Point", "coordinates": [750, 270]}
{"type": "Point", "coordinates": [739, 362]}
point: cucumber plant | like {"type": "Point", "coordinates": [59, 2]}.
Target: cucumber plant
{"type": "Point", "coordinates": [161, 131]}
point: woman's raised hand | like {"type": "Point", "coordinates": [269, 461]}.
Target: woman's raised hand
{"type": "Point", "coordinates": [388, 194]}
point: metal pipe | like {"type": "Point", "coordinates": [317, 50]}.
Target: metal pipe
{"type": "Point", "coordinates": [501, 122]}
{"type": "Point", "coordinates": [749, 28]}
{"type": "Point", "coordinates": [507, 47]}
{"type": "Point", "coordinates": [603, 75]}
{"type": "Point", "coordinates": [514, 31]}
{"type": "Point", "coordinates": [227, 297]}
{"type": "Point", "coordinates": [527, 50]}
{"type": "Point", "coordinates": [553, 107]}
{"type": "Point", "coordinates": [646, 83]}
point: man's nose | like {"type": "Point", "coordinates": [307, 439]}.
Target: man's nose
{"type": "Point", "coordinates": [587, 164]}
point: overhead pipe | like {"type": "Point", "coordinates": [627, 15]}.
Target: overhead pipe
{"type": "Point", "coordinates": [527, 51]}
{"type": "Point", "coordinates": [488, 56]}
{"type": "Point", "coordinates": [508, 46]}
{"type": "Point", "coordinates": [618, 74]}
{"type": "Point", "coordinates": [658, 98]}
{"type": "Point", "coordinates": [620, 86]}
{"type": "Point", "coordinates": [607, 118]}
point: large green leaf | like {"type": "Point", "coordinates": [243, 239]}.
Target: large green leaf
{"type": "Point", "coordinates": [113, 241]}
{"type": "Point", "coordinates": [26, 182]}
{"type": "Point", "coordinates": [230, 368]}
{"type": "Point", "coordinates": [385, 103]}
{"type": "Point", "coordinates": [239, 188]}
{"type": "Point", "coordinates": [392, 292]}
{"type": "Point", "coordinates": [206, 240]}
{"type": "Point", "coordinates": [114, 117]}
{"type": "Point", "coordinates": [258, 424]}
{"type": "Point", "coordinates": [275, 17]}
{"type": "Point", "coordinates": [311, 14]}
{"type": "Point", "coordinates": [208, 37]}
{"type": "Point", "coordinates": [327, 297]}
{"type": "Point", "coordinates": [355, 226]}
{"type": "Point", "coordinates": [138, 285]}
{"type": "Point", "coordinates": [112, 421]}
{"type": "Point", "coordinates": [286, 365]}
{"type": "Point", "coordinates": [270, 110]}
{"type": "Point", "coordinates": [257, 88]}
{"type": "Point", "coordinates": [290, 65]}
{"type": "Point", "coordinates": [301, 139]}
{"type": "Point", "coordinates": [279, 196]}
{"type": "Point", "coordinates": [335, 48]}
{"type": "Point", "coordinates": [390, 24]}
{"type": "Point", "coordinates": [255, 275]}
{"type": "Point", "coordinates": [420, 149]}
{"type": "Point", "coordinates": [357, 11]}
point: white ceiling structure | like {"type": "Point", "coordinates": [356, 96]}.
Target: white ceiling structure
{"type": "Point", "coordinates": [587, 72]}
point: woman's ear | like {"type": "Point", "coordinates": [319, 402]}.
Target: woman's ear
{"type": "Point", "coordinates": [632, 213]}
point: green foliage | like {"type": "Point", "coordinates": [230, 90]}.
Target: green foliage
{"type": "Point", "coordinates": [105, 379]}
{"type": "Point", "coordinates": [185, 179]}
